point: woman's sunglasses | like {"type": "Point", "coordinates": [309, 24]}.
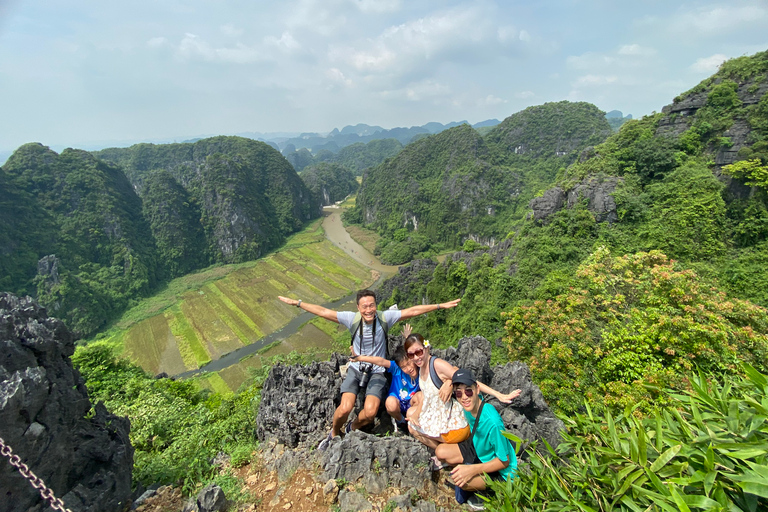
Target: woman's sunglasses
{"type": "Point", "coordinates": [415, 353]}
{"type": "Point", "coordinates": [464, 392]}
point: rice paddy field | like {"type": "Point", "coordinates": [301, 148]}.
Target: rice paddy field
{"type": "Point", "coordinates": [200, 317]}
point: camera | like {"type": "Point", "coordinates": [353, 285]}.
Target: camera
{"type": "Point", "coordinates": [365, 374]}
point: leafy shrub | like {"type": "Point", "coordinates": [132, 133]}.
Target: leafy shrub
{"type": "Point", "coordinates": [630, 322]}
{"type": "Point", "coordinates": [708, 450]}
{"type": "Point", "coordinates": [176, 429]}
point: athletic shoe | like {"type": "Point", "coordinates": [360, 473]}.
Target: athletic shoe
{"type": "Point", "coordinates": [474, 502]}
{"type": "Point", "coordinates": [348, 428]}
{"type": "Point", "coordinates": [394, 425]}
{"type": "Point", "coordinates": [325, 443]}
{"type": "Point", "coordinates": [436, 464]}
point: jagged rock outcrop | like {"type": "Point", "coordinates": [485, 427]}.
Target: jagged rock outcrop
{"type": "Point", "coordinates": [377, 462]}
{"type": "Point", "coordinates": [550, 202]}
{"type": "Point", "coordinates": [407, 278]}
{"type": "Point", "coordinates": [210, 499]}
{"type": "Point", "coordinates": [81, 451]}
{"type": "Point", "coordinates": [297, 402]}
{"type": "Point", "coordinates": [597, 191]}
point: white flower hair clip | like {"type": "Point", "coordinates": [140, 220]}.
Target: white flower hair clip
{"type": "Point", "coordinates": [426, 343]}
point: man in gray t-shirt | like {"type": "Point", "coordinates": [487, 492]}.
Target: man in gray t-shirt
{"type": "Point", "coordinates": [372, 343]}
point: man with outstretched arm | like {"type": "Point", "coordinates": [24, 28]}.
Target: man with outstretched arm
{"type": "Point", "coordinates": [368, 339]}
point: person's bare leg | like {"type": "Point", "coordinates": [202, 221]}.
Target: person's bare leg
{"type": "Point", "coordinates": [449, 453]}
{"type": "Point", "coordinates": [429, 442]}
{"type": "Point", "coordinates": [477, 483]}
{"type": "Point", "coordinates": [393, 408]}
{"type": "Point", "coordinates": [414, 411]}
{"type": "Point", "coordinates": [370, 408]}
{"type": "Point", "coordinates": [342, 412]}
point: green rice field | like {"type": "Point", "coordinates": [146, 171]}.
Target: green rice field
{"type": "Point", "coordinates": [200, 317]}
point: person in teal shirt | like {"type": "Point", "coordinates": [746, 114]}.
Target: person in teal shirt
{"type": "Point", "coordinates": [486, 452]}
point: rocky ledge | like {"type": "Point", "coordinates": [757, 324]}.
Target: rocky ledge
{"type": "Point", "coordinates": [81, 451]}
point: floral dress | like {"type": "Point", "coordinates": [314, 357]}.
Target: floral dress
{"type": "Point", "coordinates": [438, 418]}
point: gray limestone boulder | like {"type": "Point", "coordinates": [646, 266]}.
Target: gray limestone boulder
{"type": "Point", "coordinates": [379, 462]}
{"type": "Point", "coordinates": [81, 451]}
{"type": "Point", "coordinates": [550, 202]}
{"type": "Point", "coordinates": [210, 499]}
{"type": "Point", "coordinates": [297, 402]}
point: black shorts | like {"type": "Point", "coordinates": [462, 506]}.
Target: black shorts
{"type": "Point", "coordinates": [469, 456]}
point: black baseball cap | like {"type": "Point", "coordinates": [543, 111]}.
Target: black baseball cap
{"type": "Point", "coordinates": [464, 376]}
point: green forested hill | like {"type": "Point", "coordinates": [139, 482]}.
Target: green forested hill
{"type": "Point", "coordinates": [77, 236]}
{"type": "Point", "coordinates": [455, 186]}
{"type": "Point", "coordinates": [248, 195]}
{"type": "Point", "coordinates": [84, 212]}
{"type": "Point", "coordinates": [329, 182]}
{"type": "Point", "coordinates": [356, 157]}
{"type": "Point", "coordinates": [601, 306]}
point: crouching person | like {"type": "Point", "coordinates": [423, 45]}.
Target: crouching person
{"type": "Point", "coordinates": [486, 452]}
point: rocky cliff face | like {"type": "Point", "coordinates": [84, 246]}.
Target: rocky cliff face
{"type": "Point", "coordinates": [597, 193]}
{"type": "Point", "coordinates": [80, 450]}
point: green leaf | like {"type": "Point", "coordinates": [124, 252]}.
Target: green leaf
{"type": "Point", "coordinates": [699, 501]}
{"type": "Point", "coordinates": [659, 433]}
{"type": "Point", "coordinates": [709, 481]}
{"type": "Point", "coordinates": [750, 453]}
{"type": "Point", "coordinates": [755, 376]}
{"type": "Point", "coordinates": [756, 488]}
{"type": "Point", "coordinates": [665, 457]}
{"type": "Point", "coordinates": [678, 499]}
{"type": "Point", "coordinates": [709, 458]}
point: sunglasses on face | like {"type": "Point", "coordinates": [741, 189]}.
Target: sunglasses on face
{"type": "Point", "coordinates": [464, 392]}
{"type": "Point", "coordinates": [416, 353]}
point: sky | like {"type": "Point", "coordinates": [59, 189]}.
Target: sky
{"type": "Point", "coordinates": [90, 73]}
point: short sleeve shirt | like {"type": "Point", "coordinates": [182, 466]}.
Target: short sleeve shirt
{"type": "Point", "coordinates": [403, 385]}
{"type": "Point", "coordinates": [490, 443]}
{"type": "Point", "coordinates": [370, 345]}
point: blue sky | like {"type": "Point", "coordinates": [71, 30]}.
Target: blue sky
{"type": "Point", "coordinates": [87, 72]}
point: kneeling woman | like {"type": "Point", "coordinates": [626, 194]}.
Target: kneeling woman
{"type": "Point", "coordinates": [486, 451]}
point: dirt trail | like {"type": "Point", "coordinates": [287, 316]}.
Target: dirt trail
{"type": "Point", "coordinates": [335, 232]}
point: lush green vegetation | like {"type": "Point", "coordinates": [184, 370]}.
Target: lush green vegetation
{"type": "Point", "coordinates": [444, 189]}
{"type": "Point", "coordinates": [176, 429]}
{"type": "Point", "coordinates": [86, 213]}
{"type": "Point", "coordinates": [629, 325]}
{"type": "Point", "coordinates": [329, 182]}
{"type": "Point", "coordinates": [707, 451]}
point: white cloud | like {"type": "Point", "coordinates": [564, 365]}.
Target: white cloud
{"type": "Point", "coordinates": [636, 49]}
{"type": "Point", "coordinates": [286, 42]}
{"type": "Point", "coordinates": [156, 42]}
{"type": "Point", "coordinates": [717, 20]}
{"type": "Point", "coordinates": [490, 101]}
{"type": "Point", "coordinates": [708, 64]}
{"type": "Point", "coordinates": [230, 30]}
{"type": "Point", "coordinates": [525, 36]}
{"type": "Point", "coordinates": [594, 80]}
{"type": "Point", "coordinates": [420, 91]}
{"type": "Point", "coordinates": [377, 6]}
{"type": "Point", "coordinates": [462, 34]}
{"type": "Point", "coordinates": [192, 47]}
{"type": "Point", "coordinates": [337, 77]}
{"type": "Point", "coordinates": [524, 95]}
{"type": "Point", "coordinates": [589, 61]}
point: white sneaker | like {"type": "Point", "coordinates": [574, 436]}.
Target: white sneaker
{"type": "Point", "coordinates": [474, 502]}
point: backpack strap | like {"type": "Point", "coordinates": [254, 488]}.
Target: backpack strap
{"type": "Point", "coordinates": [477, 420]}
{"type": "Point", "coordinates": [357, 325]}
{"type": "Point", "coordinates": [436, 380]}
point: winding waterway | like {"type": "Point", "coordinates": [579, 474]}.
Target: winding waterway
{"type": "Point", "coordinates": [335, 232]}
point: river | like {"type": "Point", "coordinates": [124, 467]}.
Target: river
{"type": "Point", "coordinates": [335, 232]}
